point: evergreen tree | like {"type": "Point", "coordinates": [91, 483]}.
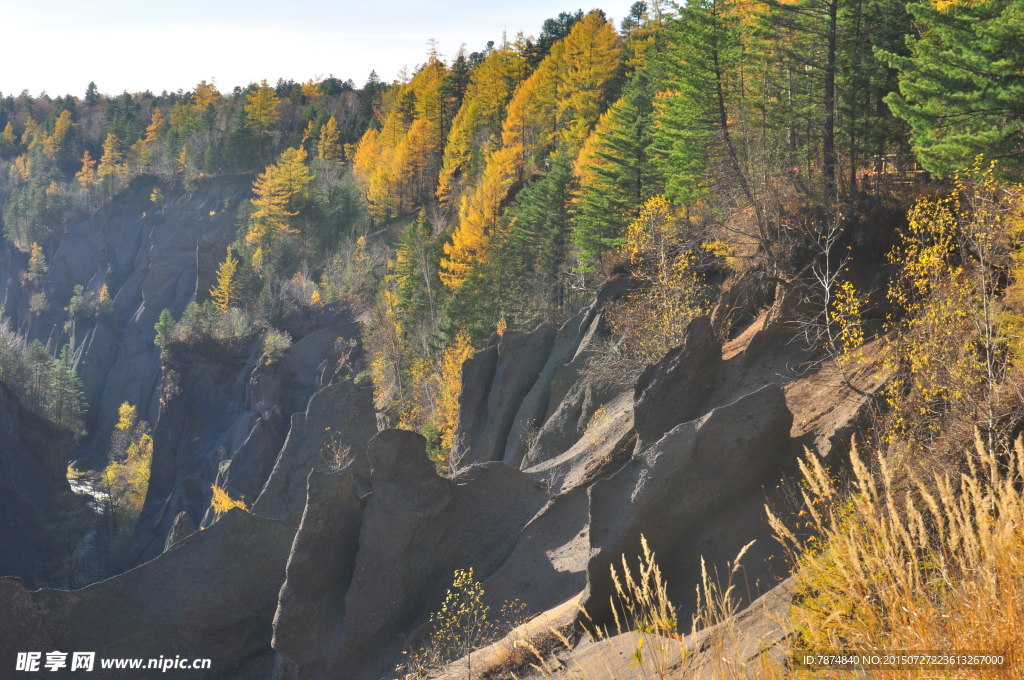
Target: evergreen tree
{"type": "Point", "coordinates": [163, 327]}
{"type": "Point", "coordinates": [617, 171]}
{"type": "Point", "coordinates": [695, 128]}
{"type": "Point", "coordinates": [961, 89]}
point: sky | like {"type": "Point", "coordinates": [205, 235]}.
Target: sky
{"type": "Point", "coordinates": [59, 46]}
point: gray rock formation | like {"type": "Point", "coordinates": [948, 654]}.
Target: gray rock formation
{"type": "Point", "coordinates": [212, 596]}
{"type": "Point", "coordinates": [310, 618]}
{"type": "Point", "coordinates": [679, 492]}
{"type": "Point", "coordinates": [331, 433]}
{"type": "Point", "coordinates": [495, 383]}
{"type": "Point", "coordinates": [678, 387]}
{"type": "Point", "coordinates": [183, 527]}
{"type": "Point", "coordinates": [225, 415]}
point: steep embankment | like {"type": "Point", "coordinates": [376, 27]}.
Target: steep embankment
{"type": "Point", "coordinates": [39, 515]}
{"type": "Point", "coordinates": [149, 257]}
{"type": "Point", "coordinates": [353, 537]}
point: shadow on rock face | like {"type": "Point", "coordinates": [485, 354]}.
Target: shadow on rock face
{"type": "Point", "coordinates": [682, 493]}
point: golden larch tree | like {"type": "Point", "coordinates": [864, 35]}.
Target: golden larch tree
{"type": "Point", "coordinates": [223, 293]}
{"type": "Point", "coordinates": [54, 141]}
{"type": "Point", "coordinates": [263, 108]}
{"type": "Point", "coordinates": [87, 175]}
{"type": "Point", "coordinates": [8, 140]}
{"type": "Point", "coordinates": [110, 161]}
{"type": "Point", "coordinates": [311, 90]}
{"type": "Point", "coordinates": [205, 94]}
{"type": "Point", "coordinates": [277, 190]}
{"type": "Point", "coordinates": [552, 108]}
{"type": "Point", "coordinates": [328, 149]}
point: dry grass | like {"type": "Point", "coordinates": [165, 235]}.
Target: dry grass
{"type": "Point", "coordinates": [644, 642]}
{"type": "Point", "coordinates": [936, 566]}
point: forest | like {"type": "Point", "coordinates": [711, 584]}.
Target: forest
{"type": "Point", "coordinates": [852, 166]}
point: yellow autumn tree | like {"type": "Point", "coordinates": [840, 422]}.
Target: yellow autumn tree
{"type": "Point", "coordinates": [36, 259]}
{"type": "Point", "coordinates": [87, 175]}
{"type": "Point", "coordinates": [155, 129]}
{"type": "Point", "coordinates": [126, 481]}
{"type": "Point", "coordinates": [277, 191]}
{"type": "Point", "coordinates": [651, 319]}
{"type": "Point", "coordinates": [954, 320]}
{"type": "Point", "coordinates": [110, 167]}
{"type": "Point", "coordinates": [223, 293]}
{"type": "Point", "coordinates": [181, 161]}
{"type": "Point", "coordinates": [205, 95]}
{"type": "Point", "coordinates": [454, 356]}
{"type": "Point", "coordinates": [31, 136]}
{"type": "Point", "coordinates": [311, 90]}
{"type": "Point", "coordinates": [262, 108]}
{"type": "Point", "coordinates": [126, 477]}
{"type": "Point", "coordinates": [476, 130]}
{"type": "Point", "coordinates": [555, 107]}
{"type": "Point", "coordinates": [388, 163]}
{"type": "Point", "coordinates": [54, 141]}
{"type": "Point", "coordinates": [328, 149]}
{"type": "Point", "coordinates": [8, 140]}
{"type": "Point", "coordinates": [478, 216]}
{"type": "Point", "coordinates": [22, 168]}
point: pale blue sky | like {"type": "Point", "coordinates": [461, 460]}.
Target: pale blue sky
{"type": "Point", "coordinates": [58, 46]}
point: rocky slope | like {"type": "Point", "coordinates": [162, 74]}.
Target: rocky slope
{"type": "Point", "coordinates": [149, 258]}
{"type": "Point", "coordinates": [353, 537]}
{"type": "Point", "coordinates": [560, 464]}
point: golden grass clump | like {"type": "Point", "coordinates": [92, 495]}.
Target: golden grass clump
{"type": "Point", "coordinates": [934, 566]}
{"type": "Point", "coordinates": [641, 608]}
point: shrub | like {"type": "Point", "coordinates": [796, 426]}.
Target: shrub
{"type": "Point", "coordinates": [275, 343]}
{"type": "Point", "coordinates": [651, 320]}
{"type": "Point", "coordinates": [462, 625]}
{"type": "Point", "coordinates": [221, 501]}
{"type": "Point", "coordinates": [202, 321]}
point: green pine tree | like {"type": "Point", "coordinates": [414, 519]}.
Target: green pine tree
{"type": "Point", "coordinates": [961, 89]}
{"type": "Point", "coordinates": [622, 175]}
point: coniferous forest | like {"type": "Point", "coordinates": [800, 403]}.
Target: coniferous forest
{"type": "Point", "coordinates": [685, 344]}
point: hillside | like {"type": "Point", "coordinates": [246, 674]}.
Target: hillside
{"type": "Point", "coordinates": [682, 346]}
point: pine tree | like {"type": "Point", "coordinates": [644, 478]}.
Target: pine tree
{"type": "Point", "coordinates": [694, 129]}
{"type": "Point", "coordinates": [223, 293]}
{"type": "Point", "coordinates": [163, 327]}
{"type": "Point", "coordinates": [961, 89]}
{"type": "Point", "coordinates": [617, 171]}
{"type": "Point", "coordinates": [412, 279]}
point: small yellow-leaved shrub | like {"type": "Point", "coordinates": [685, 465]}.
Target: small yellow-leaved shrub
{"type": "Point", "coordinates": [221, 501]}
